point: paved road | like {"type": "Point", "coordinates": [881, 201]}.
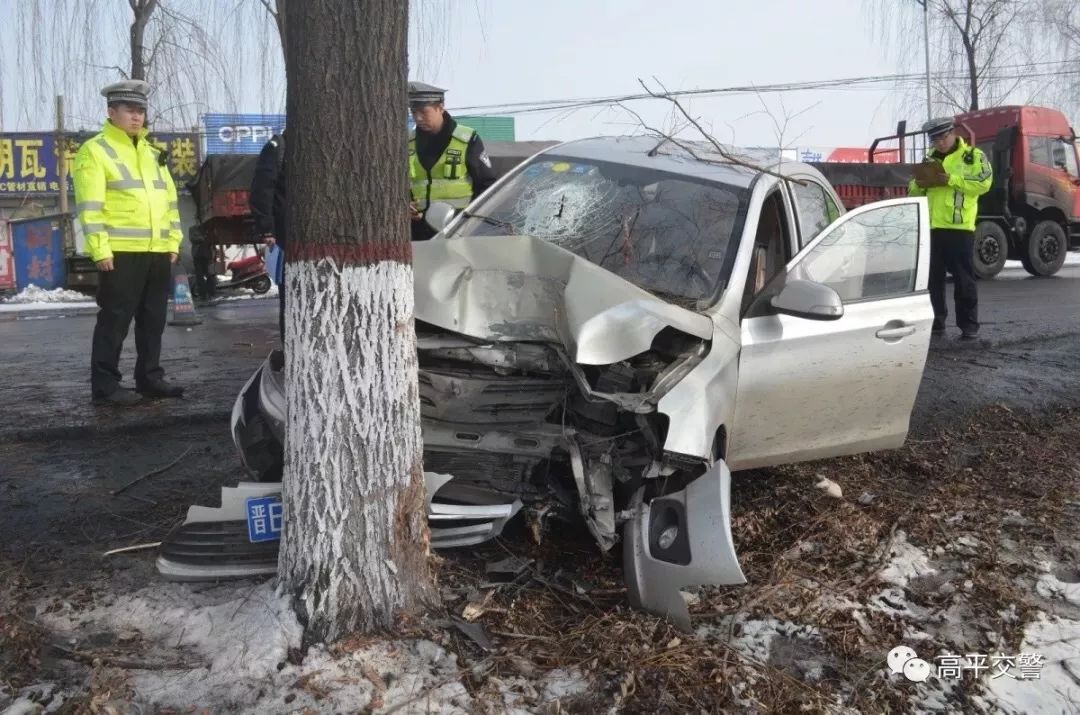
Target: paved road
{"type": "Point", "coordinates": [1015, 307]}
{"type": "Point", "coordinates": [45, 358]}
{"type": "Point", "coordinates": [1028, 357]}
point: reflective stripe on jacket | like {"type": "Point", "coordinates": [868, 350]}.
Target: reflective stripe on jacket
{"type": "Point", "coordinates": [956, 206]}
{"type": "Point", "coordinates": [449, 180]}
{"type": "Point", "coordinates": [125, 199]}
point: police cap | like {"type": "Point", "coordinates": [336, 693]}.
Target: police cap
{"type": "Point", "coordinates": [421, 94]}
{"type": "Point", "coordinates": [128, 91]}
{"type": "Point", "coordinates": [937, 127]}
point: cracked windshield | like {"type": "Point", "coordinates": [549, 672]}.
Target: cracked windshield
{"type": "Point", "coordinates": [665, 233]}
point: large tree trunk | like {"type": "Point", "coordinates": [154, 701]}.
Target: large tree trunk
{"type": "Point", "coordinates": [355, 543]}
{"type": "Point", "coordinates": [142, 10]}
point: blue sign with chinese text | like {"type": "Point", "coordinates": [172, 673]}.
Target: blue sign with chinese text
{"type": "Point", "coordinates": [38, 246]}
{"type": "Point", "coordinates": [264, 519]}
{"type": "Point", "coordinates": [29, 160]}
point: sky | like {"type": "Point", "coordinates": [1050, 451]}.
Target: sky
{"type": "Point", "coordinates": [489, 52]}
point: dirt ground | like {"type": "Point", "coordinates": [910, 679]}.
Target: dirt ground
{"type": "Point", "coordinates": [992, 507]}
{"type": "Point", "coordinates": [963, 541]}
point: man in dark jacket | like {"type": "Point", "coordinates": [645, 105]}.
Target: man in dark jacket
{"type": "Point", "coordinates": [268, 209]}
{"type": "Point", "coordinates": [447, 160]}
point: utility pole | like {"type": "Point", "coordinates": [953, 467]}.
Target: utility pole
{"type": "Point", "coordinates": [60, 143]}
{"type": "Point", "coordinates": [61, 154]}
{"type": "Point", "coordinates": [926, 49]}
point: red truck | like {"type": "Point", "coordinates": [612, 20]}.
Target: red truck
{"type": "Point", "coordinates": [1032, 212]}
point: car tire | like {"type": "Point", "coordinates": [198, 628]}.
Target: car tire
{"type": "Point", "coordinates": [991, 249]}
{"type": "Point", "coordinates": [261, 284]}
{"type": "Point", "coordinates": [1044, 254]}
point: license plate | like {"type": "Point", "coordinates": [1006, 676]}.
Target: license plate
{"type": "Point", "coordinates": [264, 519]}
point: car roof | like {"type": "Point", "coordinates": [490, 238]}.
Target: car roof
{"type": "Point", "coordinates": [699, 159]}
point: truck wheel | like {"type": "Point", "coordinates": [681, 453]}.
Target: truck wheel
{"type": "Point", "coordinates": [261, 284]}
{"type": "Point", "coordinates": [991, 249]}
{"type": "Point", "coordinates": [1046, 249]}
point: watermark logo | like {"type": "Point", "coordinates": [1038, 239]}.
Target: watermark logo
{"type": "Point", "coordinates": [904, 660]}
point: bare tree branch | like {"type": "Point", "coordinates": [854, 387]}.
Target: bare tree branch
{"type": "Point", "coordinates": [666, 137]}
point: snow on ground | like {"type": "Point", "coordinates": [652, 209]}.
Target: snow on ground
{"type": "Point", "coordinates": [34, 294]}
{"type": "Point", "coordinates": [227, 294]}
{"type": "Point", "coordinates": [908, 561]}
{"type": "Point", "coordinates": [1057, 689]}
{"type": "Point", "coordinates": [227, 647]}
{"type": "Point", "coordinates": [34, 298]}
{"type": "Point", "coordinates": [1072, 258]}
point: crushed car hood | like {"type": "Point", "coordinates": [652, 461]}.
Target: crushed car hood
{"type": "Point", "coordinates": [520, 288]}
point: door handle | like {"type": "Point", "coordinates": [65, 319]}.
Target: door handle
{"type": "Point", "coordinates": [895, 333]}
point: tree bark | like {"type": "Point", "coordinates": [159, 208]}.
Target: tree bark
{"type": "Point", "coordinates": [355, 542]}
{"type": "Point", "coordinates": [142, 10]}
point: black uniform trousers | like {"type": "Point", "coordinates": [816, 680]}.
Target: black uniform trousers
{"type": "Point", "coordinates": [952, 250]}
{"type": "Point", "coordinates": [137, 287]}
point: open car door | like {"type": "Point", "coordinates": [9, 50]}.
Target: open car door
{"type": "Point", "coordinates": [813, 388]}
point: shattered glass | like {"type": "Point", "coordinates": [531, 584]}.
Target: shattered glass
{"type": "Point", "coordinates": [666, 233]}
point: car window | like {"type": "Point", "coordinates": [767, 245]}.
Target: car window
{"type": "Point", "coordinates": [1039, 148]}
{"type": "Point", "coordinates": [666, 233]}
{"type": "Point", "coordinates": [872, 255]}
{"type": "Point", "coordinates": [770, 252]}
{"type": "Point", "coordinates": [816, 209]}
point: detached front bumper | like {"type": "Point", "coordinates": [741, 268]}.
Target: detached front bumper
{"type": "Point", "coordinates": [213, 542]}
{"type": "Point", "coordinates": [679, 541]}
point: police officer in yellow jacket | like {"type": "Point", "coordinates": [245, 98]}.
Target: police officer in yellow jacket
{"type": "Point", "coordinates": [447, 161]}
{"type": "Point", "coordinates": [954, 176]}
{"type": "Point", "coordinates": [127, 205]}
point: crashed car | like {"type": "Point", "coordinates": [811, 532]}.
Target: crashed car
{"type": "Point", "coordinates": [611, 330]}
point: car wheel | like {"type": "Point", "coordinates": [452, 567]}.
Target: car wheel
{"type": "Point", "coordinates": [991, 249]}
{"type": "Point", "coordinates": [261, 284]}
{"type": "Point", "coordinates": [1046, 247]}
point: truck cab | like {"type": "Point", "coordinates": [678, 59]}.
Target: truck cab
{"type": "Point", "coordinates": [1031, 213]}
{"type": "Point", "coordinates": [1034, 204]}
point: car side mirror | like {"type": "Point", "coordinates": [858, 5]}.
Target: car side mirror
{"type": "Point", "coordinates": [810, 300]}
{"type": "Point", "coordinates": [438, 215]}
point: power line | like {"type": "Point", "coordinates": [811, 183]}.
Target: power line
{"type": "Point", "coordinates": [1023, 71]}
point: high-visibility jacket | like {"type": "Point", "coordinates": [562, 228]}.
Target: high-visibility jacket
{"type": "Point", "coordinates": [449, 180]}
{"type": "Point", "coordinates": [126, 200]}
{"type": "Point", "coordinates": [956, 206]}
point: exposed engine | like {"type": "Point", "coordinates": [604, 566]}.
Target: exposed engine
{"type": "Point", "coordinates": [520, 419]}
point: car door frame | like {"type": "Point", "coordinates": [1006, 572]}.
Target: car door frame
{"type": "Point", "coordinates": [743, 452]}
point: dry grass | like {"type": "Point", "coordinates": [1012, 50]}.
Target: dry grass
{"type": "Point", "coordinates": [805, 555]}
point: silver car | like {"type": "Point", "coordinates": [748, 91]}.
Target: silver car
{"type": "Point", "coordinates": [614, 327]}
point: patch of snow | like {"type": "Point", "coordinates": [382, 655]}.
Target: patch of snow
{"type": "Point", "coordinates": [57, 307]}
{"type": "Point", "coordinates": [893, 601]}
{"type": "Point", "coordinates": [34, 294]}
{"type": "Point", "coordinates": [1057, 689]}
{"type": "Point", "coordinates": [1050, 587]}
{"type": "Point", "coordinates": [237, 639]}
{"type": "Point", "coordinates": [525, 695]}
{"type": "Point", "coordinates": [37, 699]}
{"type": "Point", "coordinates": [755, 637]}
{"type": "Point", "coordinates": [934, 696]}
{"type": "Point", "coordinates": [908, 562]}
{"type": "Point", "coordinates": [34, 298]}
{"type": "Point", "coordinates": [1072, 258]}
{"type": "Point", "coordinates": [229, 294]}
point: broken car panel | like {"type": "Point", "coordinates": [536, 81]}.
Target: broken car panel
{"type": "Point", "coordinates": [613, 326]}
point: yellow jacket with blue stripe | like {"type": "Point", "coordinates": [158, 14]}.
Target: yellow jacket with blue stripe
{"type": "Point", "coordinates": [126, 199]}
{"type": "Point", "coordinates": [956, 205]}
